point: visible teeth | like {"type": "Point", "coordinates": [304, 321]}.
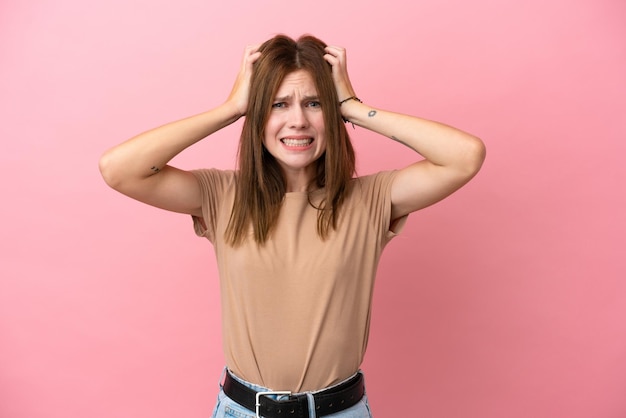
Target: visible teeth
{"type": "Point", "coordinates": [297, 142]}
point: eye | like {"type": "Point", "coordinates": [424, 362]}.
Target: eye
{"type": "Point", "coordinates": [279, 105]}
{"type": "Point", "coordinates": [314, 103]}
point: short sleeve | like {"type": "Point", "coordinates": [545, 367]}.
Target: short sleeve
{"type": "Point", "coordinates": [215, 186]}
{"type": "Point", "coordinates": [377, 191]}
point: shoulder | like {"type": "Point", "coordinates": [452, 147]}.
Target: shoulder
{"type": "Point", "coordinates": [370, 195]}
{"type": "Point", "coordinates": [372, 189]}
{"type": "Point", "coordinates": [215, 178]}
{"type": "Point", "coordinates": [380, 181]}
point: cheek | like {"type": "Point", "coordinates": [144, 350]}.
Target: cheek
{"type": "Point", "coordinates": [270, 130]}
{"type": "Point", "coordinates": [277, 120]}
{"type": "Point", "coordinates": [320, 127]}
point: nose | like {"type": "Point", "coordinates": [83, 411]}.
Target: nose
{"type": "Point", "coordinates": [297, 118]}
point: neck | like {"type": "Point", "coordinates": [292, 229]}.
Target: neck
{"type": "Point", "coordinates": [300, 180]}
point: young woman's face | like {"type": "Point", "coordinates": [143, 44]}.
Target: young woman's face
{"type": "Point", "coordinates": [295, 133]}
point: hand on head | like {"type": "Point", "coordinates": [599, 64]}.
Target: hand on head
{"type": "Point", "coordinates": [336, 57]}
{"type": "Point", "coordinates": [240, 92]}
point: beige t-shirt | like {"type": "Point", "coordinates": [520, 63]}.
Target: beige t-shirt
{"type": "Point", "coordinates": [296, 310]}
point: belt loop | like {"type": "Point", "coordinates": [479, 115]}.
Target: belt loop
{"type": "Point", "coordinates": [222, 378]}
{"type": "Point", "coordinates": [311, 402]}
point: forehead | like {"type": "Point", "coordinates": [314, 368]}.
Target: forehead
{"type": "Point", "coordinates": [297, 81]}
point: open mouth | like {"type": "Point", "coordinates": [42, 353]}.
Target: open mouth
{"type": "Point", "coordinates": [297, 142]}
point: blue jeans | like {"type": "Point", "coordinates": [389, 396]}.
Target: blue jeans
{"type": "Point", "coordinates": [227, 408]}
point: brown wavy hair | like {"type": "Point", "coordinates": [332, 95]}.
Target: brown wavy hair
{"type": "Point", "coordinates": [260, 184]}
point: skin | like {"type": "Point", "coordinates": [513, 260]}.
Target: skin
{"type": "Point", "coordinates": [449, 157]}
{"type": "Point", "coordinates": [296, 119]}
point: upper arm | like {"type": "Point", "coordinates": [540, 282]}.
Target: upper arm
{"type": "Point", "coordinates": [424, 183]}
{"type": "Point", "coordinates": [170, 189]}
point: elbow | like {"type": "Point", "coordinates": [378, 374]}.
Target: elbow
{"type": "Point", "coordinates": [474, 156]}
{"type": "Point", "coordinates": [108, 171]}
{"type": "Point", "coordinates": [480, 153]}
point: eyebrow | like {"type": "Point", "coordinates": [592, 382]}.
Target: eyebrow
{"type": "Point", "coordinates": [288, 97]}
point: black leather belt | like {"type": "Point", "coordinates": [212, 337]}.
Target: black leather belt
{"type": "Point", "coordinates": [329, 401]}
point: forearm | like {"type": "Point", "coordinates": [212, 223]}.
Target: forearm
{"type": "Point", "coordinates": [438, 143]}
{"type": "Point", "coordinates": [147, 153]}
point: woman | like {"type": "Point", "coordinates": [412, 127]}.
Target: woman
{"type": "Point", "coordinates": [297, 238]}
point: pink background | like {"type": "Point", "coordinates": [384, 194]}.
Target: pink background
{"type": "Point", "coordinates": [506, 300]}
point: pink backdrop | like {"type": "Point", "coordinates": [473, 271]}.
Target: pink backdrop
{"type": "Point", "coordinates": [506, 300]}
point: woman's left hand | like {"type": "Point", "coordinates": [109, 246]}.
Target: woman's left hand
{"type": "Point", "coordinates": [336, 57]}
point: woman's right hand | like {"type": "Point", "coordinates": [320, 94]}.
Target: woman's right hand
{"type": "Point", "coordinates": [240, 93]}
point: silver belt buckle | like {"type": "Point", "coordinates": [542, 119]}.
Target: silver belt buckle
{"type": "Point", "coordinates": [258, 399]}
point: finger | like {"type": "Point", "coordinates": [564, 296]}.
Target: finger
{"type": "Point", "coordinates": [254, 56]}
{"type": "Point", "coordinates": [335, 49]}
{"type": "Point", "coordinates": [251, 54]}
{"type": "Point", "coordinates": [252, 48]}
{"type": "Point", "coordinates": [337, 52]}
{"type": "Point", "coordinates": [332, 60]}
